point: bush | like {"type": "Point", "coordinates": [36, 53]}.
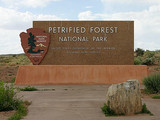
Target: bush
{"type": "Point", "coordinates": [137, 61]}
{"type": "Point", "coordinates": [152, 83]}
{"type": "Point", "coordinates": [13, 55]}
{"type": "Point", "coordinates": [8, 100]}
{"type": "Point", "coordinates": [139, 52]}
{"type": "Point", "coordinates": [148, 61]}
{"type": "Point", "coordinates": [21, 111]}
{"type": "Point", "coordinates": [149, 54]}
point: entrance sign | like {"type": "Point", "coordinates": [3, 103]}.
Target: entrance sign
{"type": "Point", "coordinates": [79, 52]}
{"type": "Point", "coordinates": [35, 44]}
{"type": "Point", "coordinates": [89, 42]}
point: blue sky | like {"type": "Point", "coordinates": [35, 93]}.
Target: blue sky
{"type": "Point", "coordinates": [17, 15]}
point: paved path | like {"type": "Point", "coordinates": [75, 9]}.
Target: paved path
{"type": "Point", "coordinates": [77, 102]}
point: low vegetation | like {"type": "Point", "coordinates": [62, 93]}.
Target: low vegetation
{"type": "Point", "coordinates": [29, 88]}
{"type": "Point", "coordinates": [147, 57]}
{"type": "Point", "coordinates": [13, 79]}
{"type": "Point", "coordinates": [145, 110]}
{"type": "Point", "coordinates": [109, 112]}
{"type": "Point", "coordinates": [21, 111]}
{"type": "Point", "coordinates": [156, 97]}
{"type": "Point", "coordinates": [14, 60]}
{"type": "Point", "coordinates": [9, 101]}
{"type": "Point", "coordinates": [152, 83]}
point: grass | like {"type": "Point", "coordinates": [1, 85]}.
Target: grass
{"type": "Point", "coordinates": [21, 111]}
{"type": "Point", "coordinates": [108, 111]}
{"type": "Point", "coordinates": [15, 60]}
{"type": "Point", "coordinates": [145, 110]}
{"type": "Point", "coordinates": [29, 88]}
{"type": "Point", "coordinates": [156, 97]}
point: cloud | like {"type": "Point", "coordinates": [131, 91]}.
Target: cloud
{"type": "Point", "coordinates": [12, 19]}
{"type": "Point", "coordinates": [13, 22]}
{"type": "Point", "coordinates": [10, 41]}
{"type": "Point", "coordinates": [114, 6]}
{"type": "Point", "coordinates": [147, 24]}
{"type": "Point", "coordinates": [87, 15]}
{"type": "Point", "coordinates": [28, 3]}
{"type": "Point", "coordinates": [88, 7]}
{"type": "Point", "coordinates": [133, 1]}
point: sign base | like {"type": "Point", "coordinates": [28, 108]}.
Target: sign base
{"type": "Point", "coordinates": [79, 74]}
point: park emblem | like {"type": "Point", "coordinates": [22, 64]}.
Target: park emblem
{"type": "Point", "coordinates": [35, 44]}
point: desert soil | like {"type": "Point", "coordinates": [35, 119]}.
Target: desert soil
{"type": "Point", "coordinates": [6, 115]}
{"type": "Point", "coordinates": [7, 73]}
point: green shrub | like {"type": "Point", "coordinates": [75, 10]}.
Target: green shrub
{"type": "Point", "coordinates": [16, 116]}
{"type": "Point", "coordinates": [148, 61]}
{"type": "Point", "coordinates": [137, 61]}
{"type": "Point", "coordinates": [149, 54]}
{"type": "Point", "coordinates": [10, 74]}
{"type": "Point", "coordinates": [139, 52]}
{"type": "Point", "coordinates": [29, 88]}
{"type": "Point", "coordinates": [13, 79]}
{"type": "Point", "coordinates": [145, 110]}
{"type": "Point", "coordinates": [152, 83]}
{"type": "Point", "coordinates": [107, 111]}
{"type": "Point", "coordinates": [8, 100]}
{"type": "Point", "coordinates": [21, 111]}
{"type": "Point", "coordinates": [13, 55]}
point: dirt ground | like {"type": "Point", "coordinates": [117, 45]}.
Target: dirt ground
{"type": "Point", "coordinates": [7, 73]}
{"type": "Point", "coordinates": [154, 69]}
{"type": "Point", "coordinates": [6, 115]}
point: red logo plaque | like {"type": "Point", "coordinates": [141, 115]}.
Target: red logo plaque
{"type": "Point", "coordinates": [35, 44]}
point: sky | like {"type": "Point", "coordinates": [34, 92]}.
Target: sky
{"type": "Point", "coordinates": [17, 15]}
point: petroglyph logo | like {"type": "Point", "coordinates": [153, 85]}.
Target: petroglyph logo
{"type": "Point", "coordinates": [35, 44]}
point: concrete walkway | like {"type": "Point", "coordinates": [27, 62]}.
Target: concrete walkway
{"type": "Point", "coordinates": [77, 102]}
